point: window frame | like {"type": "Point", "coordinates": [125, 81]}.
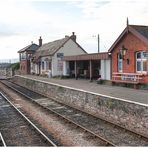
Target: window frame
{"type": "Point", "coordinates": [119, 61]}
{"type": "Point", "coordinates": [141, 60]}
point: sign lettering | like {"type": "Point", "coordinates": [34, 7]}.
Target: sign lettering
{"type": "Point", "coordinates": [145, 55]}
{"type": "Point", "coordinates": [129, 78]}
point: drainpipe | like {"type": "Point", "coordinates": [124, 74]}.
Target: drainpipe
{"type": "Point", "coordinates": [90, 65]}
{"type": "Point", "coordinates": [76, 70]}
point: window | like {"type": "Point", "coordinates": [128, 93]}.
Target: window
{"type": "Point", "coordinates": [23, 56]}
{"type": "Point", "coordinates": [42, 65]}
{"type": "Point", "coordinates": [29, 56]}
{"type": "Point", "coordinates": [119, 63]}
{"type": "Point", "coordinates": [140, 62]}
{"type": "Point", "coordinates": [48, 65]}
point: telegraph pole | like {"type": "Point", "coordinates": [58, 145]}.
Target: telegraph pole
{"type": "Point", "coordinates": [98, 43]}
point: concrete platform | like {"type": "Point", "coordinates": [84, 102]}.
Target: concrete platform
{"type": "Point", "coordinates": [134, 95]}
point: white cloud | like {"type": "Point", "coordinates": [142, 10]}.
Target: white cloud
{"type": "Point", "coordinates": [21, 23]}
{"type": "Point", "coordinates": [109, 19]}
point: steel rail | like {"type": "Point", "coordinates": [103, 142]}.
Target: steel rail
{"type": "Point", "coordinates": [108, 143]}
{"type": "Point", "coordinates": [3, 141]}
{"type": "Point", "coordinates": [101, 118]}
{"type": "Point", "coordinates": [31, 123]}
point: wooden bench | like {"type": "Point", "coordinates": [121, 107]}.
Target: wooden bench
{"type": "Point", "coordinates": [127, 78]}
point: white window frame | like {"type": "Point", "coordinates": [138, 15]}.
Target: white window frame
{"type": "Point", "coordinates": [141, 60]}
{"type": "Point", "coordinates": [23, 56]}
{"type": "Point", "coordinates": [120, 61]}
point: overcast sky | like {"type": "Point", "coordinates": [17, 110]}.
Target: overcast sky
{"type": "Point", "coordinates": [23, 21]}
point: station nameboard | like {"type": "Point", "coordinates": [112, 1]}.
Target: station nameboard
{"type": "Point", "coordinates": [60, 55]}
{"type": "Point", "coordinates": [145, 55]}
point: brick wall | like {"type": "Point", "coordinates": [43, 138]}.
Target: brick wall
{"type": "Point", "coordinates": [128, 114]}
{"type": "Point", "coordinates": [133, 44]}
{"type": "Point", "coordinates": [25, 67]}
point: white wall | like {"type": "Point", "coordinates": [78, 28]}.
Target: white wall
{"type": "Point", "coordinates": [69, 48]}
{"type": "Point", "coordinates": [37, 69]}
{"type": "Point", "coordinates": [66, 70]}
{"type": "Point", "coordinates": [105, 69]}
{"type": "Point", "coordinates": [33, 67]}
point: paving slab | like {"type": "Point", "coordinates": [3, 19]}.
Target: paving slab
{"type": "Point", "coordinates": [136, 95]}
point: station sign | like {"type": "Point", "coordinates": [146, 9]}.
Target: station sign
{"type": "Point", "coordinates": [145, 55]}
{"type": "Point", "coordinates": [60, 55]}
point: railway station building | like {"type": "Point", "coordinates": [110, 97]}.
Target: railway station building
{"type": "Point", "coordinates": [25, 55]}
{"type": "Point", "coordinates": [125, 62]}
{"type": "Point", "coordinates": [47, 59]}
{"type": "Point", "coordinates": [129, 56]}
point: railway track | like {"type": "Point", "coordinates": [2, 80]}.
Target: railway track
{"type": "Point", "coordinates": [17, 129]}
{"type": "Point", "coordinates": [97, 140]}
{"type": "Point", "coordinates": [2, 142]}
{"type": "Point", "coordinates": [112, 135]}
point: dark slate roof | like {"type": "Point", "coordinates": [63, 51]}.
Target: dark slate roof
{"type": "Point", "coordinates": [140, 31]}
{"type": "Point", "coordinates": [52, 47]}
{"type": "Point", "coordinates": [31, 47]}
{"type": "Point", "coordinates": [143, 30]}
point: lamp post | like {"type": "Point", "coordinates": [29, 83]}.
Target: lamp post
{"type": "Point", "coordinates": [123, 51]}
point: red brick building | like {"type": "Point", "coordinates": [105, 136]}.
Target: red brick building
{"type": "Point", "coordinates": [129, 55]}
{"type": "Point", "coordinates": [25, 56]}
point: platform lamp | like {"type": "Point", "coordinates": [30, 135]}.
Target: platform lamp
{"type": "Point", "coordinates": [123, 51]}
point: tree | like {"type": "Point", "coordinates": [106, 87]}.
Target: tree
{"type": "Point", "coordinates": [15, 66]}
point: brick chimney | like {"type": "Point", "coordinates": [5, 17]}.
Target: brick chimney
{"type": "Point", "coordinates": [73, 36]}
{"type": "Point", "coordinates": [40, 41]}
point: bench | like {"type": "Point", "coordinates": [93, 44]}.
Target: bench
{"type": "Point", "coordinates": [127, 78]}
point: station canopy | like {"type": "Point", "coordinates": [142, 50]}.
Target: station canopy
{"type": "Point", "coordinates": [93, 56]}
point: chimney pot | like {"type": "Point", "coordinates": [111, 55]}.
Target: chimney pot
{"type": "Point", "coordinates": [40, 41]}
{"type": "Point", "coordinates": [73, 36]}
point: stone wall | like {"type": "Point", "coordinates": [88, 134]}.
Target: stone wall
{"type": "Point", "coordinates": [5, 72]}
{"type": "Point", "coordinates": [125, 113]}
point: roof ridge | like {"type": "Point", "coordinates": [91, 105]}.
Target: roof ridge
{"type": "Point", "coordinates": [27, 47]}
{"type": "Point", "coordinates": [139, 25]}
{"type": "Point", "coordinates": [140, 31]}
{"type": "Point", "coordinates": [55, 41]}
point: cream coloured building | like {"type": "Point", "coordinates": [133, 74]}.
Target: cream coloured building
{"type": "Point", "coordinates": [48, 59]}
